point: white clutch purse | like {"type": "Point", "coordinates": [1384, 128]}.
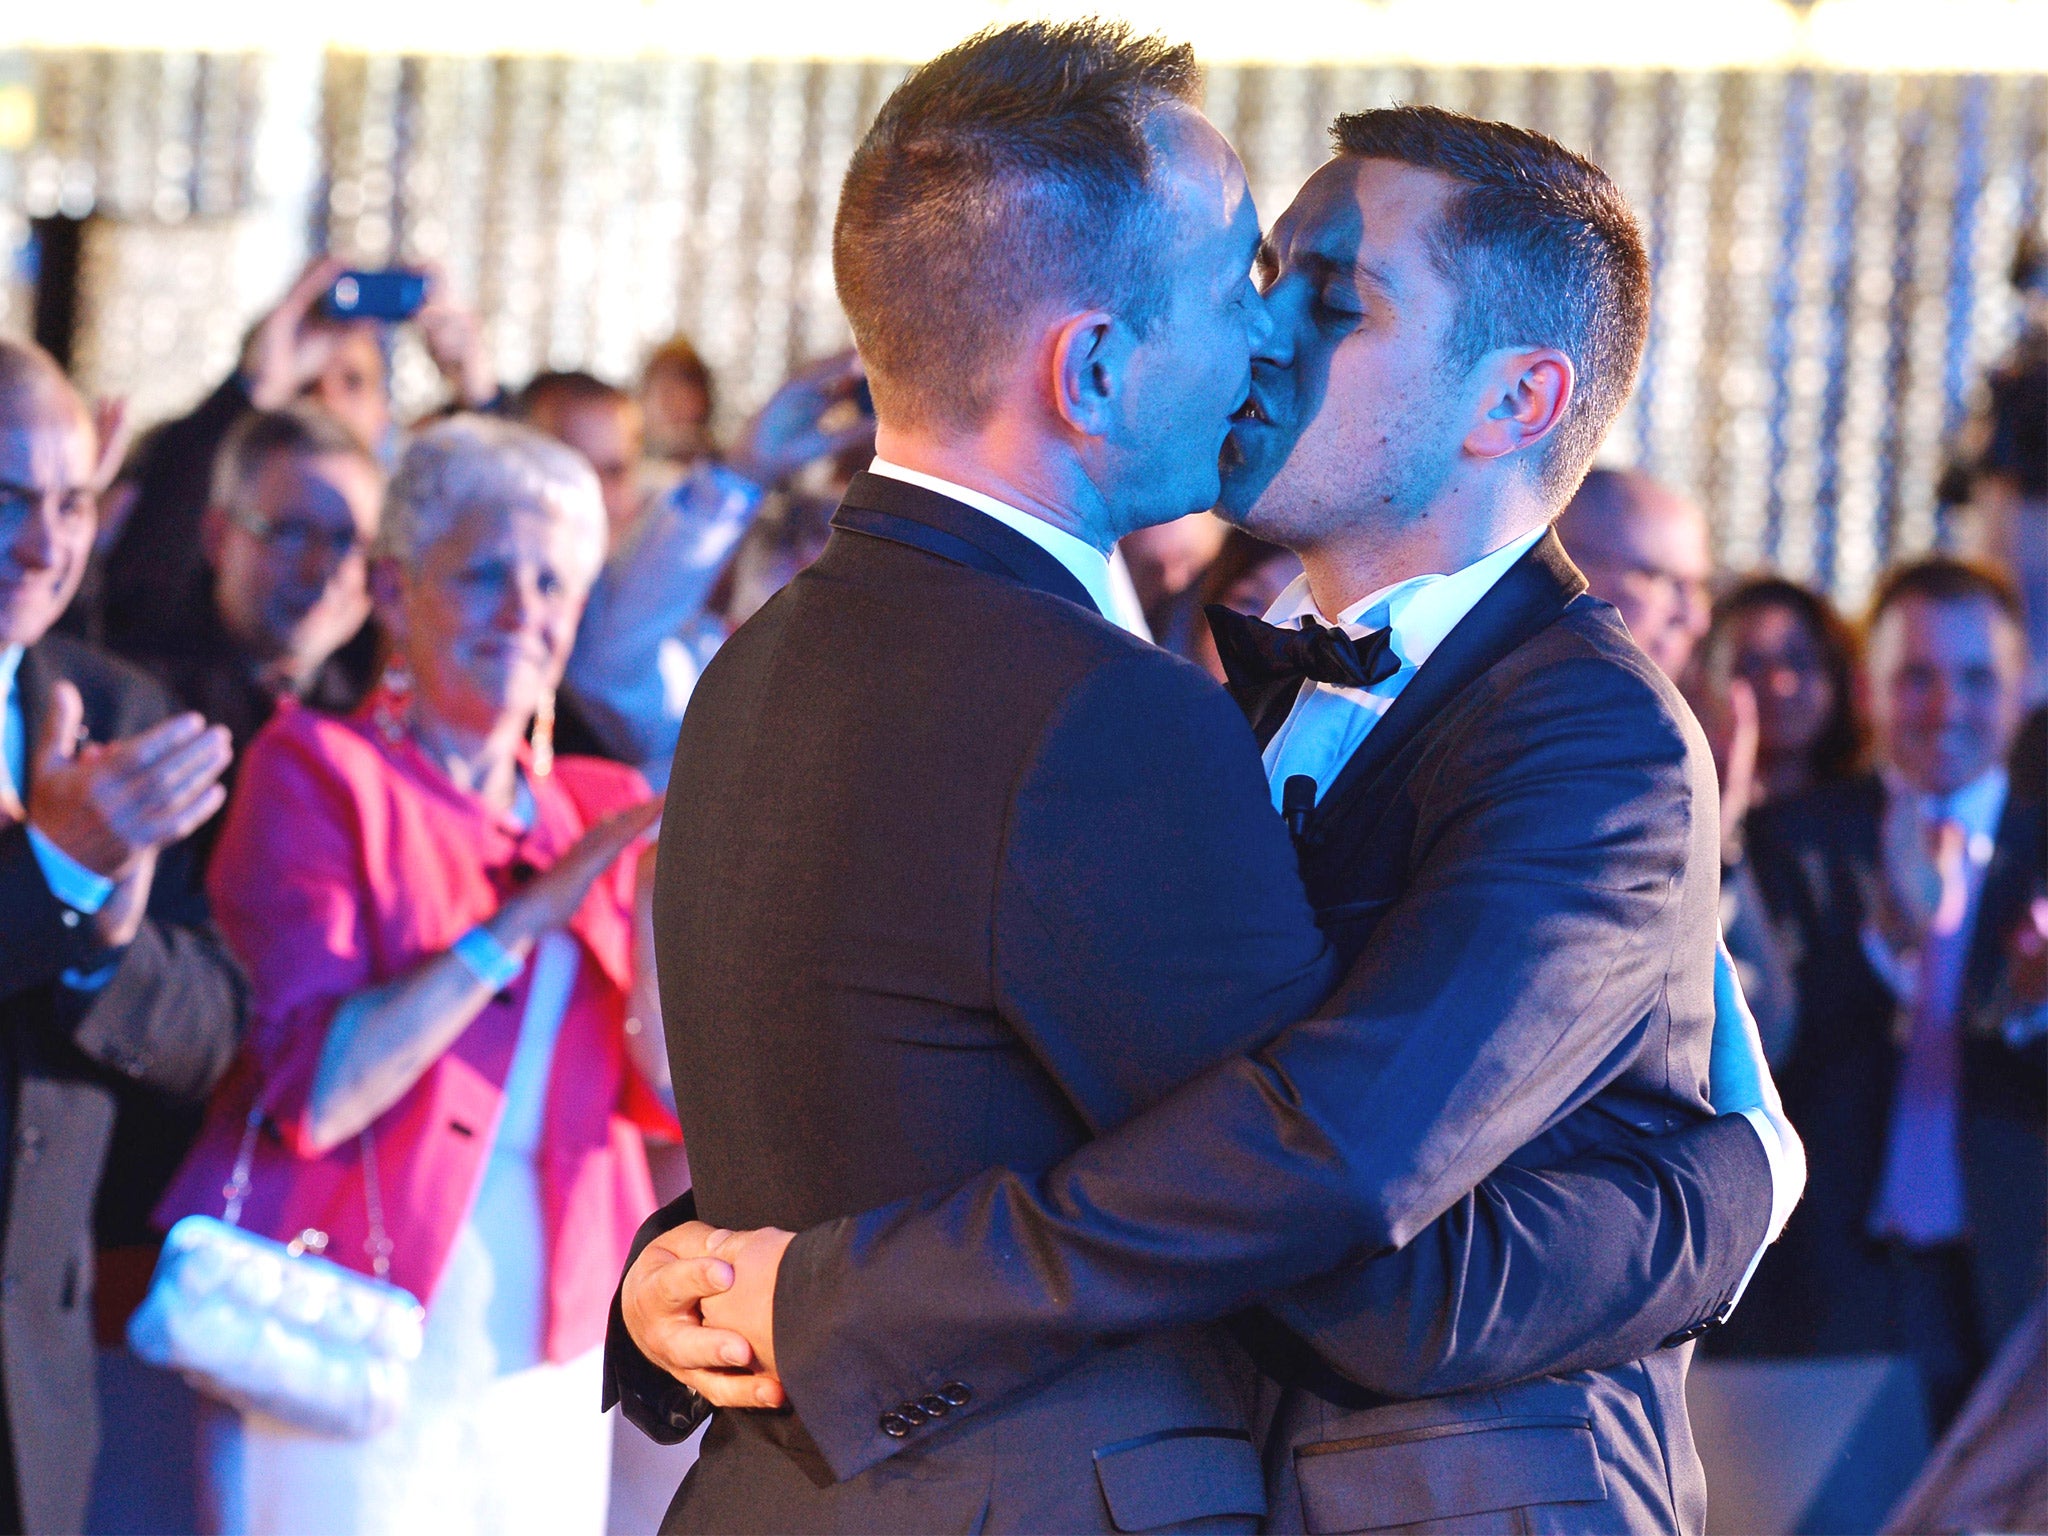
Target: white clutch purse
{"type": "Point", "coordinates": [272, 1328]}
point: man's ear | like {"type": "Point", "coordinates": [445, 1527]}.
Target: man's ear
{"type": "Point", "coordinates": [1090, 352]}
{"type": "Point", "coordinates": [1527, 396]}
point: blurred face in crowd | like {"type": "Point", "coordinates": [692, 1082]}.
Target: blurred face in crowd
{"type": "Point", "coordinates": [1775, 651]}
{"type": "Point", "coordinates": [486, 619]}
{"type": "Point", "coordinates": [290, 559]}
{"type": "Point", "coordinates": [47, 512]}
{"type": "Point", "coordinates": [678, 414]}
{"type": "Point", "coordinates": [354, 387]}
{"type": "Point", "coordinates": [1184, 377]}
{"type": "Point", "coordinates": [1355, 416]}
{"type": "Point", "coordinates": [608, 434]}
{"type": "Point", "coordinates": [1644, 548]}
{"type": "Point", "coordinates": [1945, 697]}
{"type": "Point", "coordinates": [1168, 558]}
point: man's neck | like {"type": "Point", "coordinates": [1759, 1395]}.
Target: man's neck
{"type": "Point", "coordinates": [1349, 567]}
{"type": "Point", "coordinates": [1017, 473]}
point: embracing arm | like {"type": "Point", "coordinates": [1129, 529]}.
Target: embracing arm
{"type": "Point", "coordinates": [1504, 989]}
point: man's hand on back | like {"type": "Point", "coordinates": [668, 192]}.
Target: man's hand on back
{"type": "Point", "coordinates": [699, 1302]}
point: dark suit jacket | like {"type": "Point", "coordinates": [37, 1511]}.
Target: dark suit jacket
{"type": "Point", "coordinates": [170, 1018]}
{"type": "Point", "coordinates": [1514, 860]}
{"type": "Point", "coordinates": [953, 874]}
{"type": "Point", "coordinates": [1144, 1476]}
{"type": "Point", "coordinates": [1826, 1288]}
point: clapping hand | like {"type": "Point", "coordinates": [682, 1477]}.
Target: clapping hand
{"type": "Point", "coordinates": [111, 807]}
{"type": "Point", "coordinates": [553, 897]}
{"type": "Point", "coordinates": [700, 1303]}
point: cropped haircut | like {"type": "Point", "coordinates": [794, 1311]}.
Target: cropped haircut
{"type": "Point", "coordinates": [1946, 579]}
{"type": "Point", "coordinates": [466, 462]}
{"type": "Point", "coordinates": [1543, 251]}
{"type": "Point", "coordinates": [300, 430]}
{"type": "Point", "coordinates": [1010, 173]}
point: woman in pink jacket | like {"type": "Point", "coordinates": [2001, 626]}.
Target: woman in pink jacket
{"type": "Point", "coordinates": [454, 1014]}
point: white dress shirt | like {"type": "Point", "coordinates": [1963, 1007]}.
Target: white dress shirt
{"type": "Point", "coordinates": [1089, 565]}
{"type": "Point", "coordinates": [1329, 723]}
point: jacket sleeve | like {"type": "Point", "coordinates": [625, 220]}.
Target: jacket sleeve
{"type": "Point", "coordinates": [40, 937]}
{"type": "Point", "coordinates": [172, 1015]}
{"type": "Point", "coordinates": [1514, 978]}
{"type": "Point", "coordinates": [653, 1401]}
{"type": "Point", "coordinates": [1603, 1258]}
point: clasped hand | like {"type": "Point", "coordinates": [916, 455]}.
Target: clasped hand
{"type": "Point", "coordinates": [700, 1303]}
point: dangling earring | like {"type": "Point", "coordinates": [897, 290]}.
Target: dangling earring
{"type": "Point", "coordinates": [544, 736]}
{"type": "Point", "coordinates": [394, 701]}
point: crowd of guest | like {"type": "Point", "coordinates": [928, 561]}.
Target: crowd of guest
{"type": "Point", "coordinates": [330, 754]}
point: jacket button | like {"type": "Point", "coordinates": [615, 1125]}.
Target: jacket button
{"type": "Point", "coordinates": [915, 1415]}
{"type": "Point", "coordinates": [956, 1393]}
{"type": "Point", "coordinates": [69, 918]}
{"type": "Point", "coordinates": [895, 1426]}
{"type": "Point", "coordinates": [934, 1405]}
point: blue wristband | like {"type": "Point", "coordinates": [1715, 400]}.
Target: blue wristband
{"type": "Point", "coordinates": [489, 961]}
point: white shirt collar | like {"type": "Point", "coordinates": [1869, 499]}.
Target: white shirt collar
{"type": "Point", "coordinates": [1088, 565]}
{"type": "Point", "coordinates": [1420, 611]}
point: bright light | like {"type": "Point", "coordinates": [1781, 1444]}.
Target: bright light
{"type": "Point", "coordinates": [2001, 36]}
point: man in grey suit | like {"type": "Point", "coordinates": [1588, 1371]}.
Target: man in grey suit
{"type": "Point", "coordinates": [1492, 794]}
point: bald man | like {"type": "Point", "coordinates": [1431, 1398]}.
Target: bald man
{"type": "Point", "coordinates": [1644, 548]}
{"type": "Point", "coordinates": [111, 979]}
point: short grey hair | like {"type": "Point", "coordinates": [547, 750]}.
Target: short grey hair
{"type": "Point", "coordinates": [469, 461]}
{"type": "Point", "coordinates": [300, 430]}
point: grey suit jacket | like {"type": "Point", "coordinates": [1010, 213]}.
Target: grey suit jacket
{"type": "Point", "coordinates": [1522, 863]}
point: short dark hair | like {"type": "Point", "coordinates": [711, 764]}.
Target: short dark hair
{"type": "Point", "coordinates": [301, 429]}
{"type": "Point", "coordinates": [1543, 251]}
{"type": "Point", "coordinates": [1946, 579]}
{"type": "Point", "coordinates": [1838, 749]}
{"type": "Point", "coordinates": [566, 388]}
{"type": "Point", "coordinates": [1011, 170]}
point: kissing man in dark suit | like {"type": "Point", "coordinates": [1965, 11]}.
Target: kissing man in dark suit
{"type": "Point", "coordinates": [954, 874]}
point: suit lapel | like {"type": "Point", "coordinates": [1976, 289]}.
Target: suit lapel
{"type": "Point", "coordinates": [1533, 592]}
{"type": "Point", "coordinates": [882, 507]}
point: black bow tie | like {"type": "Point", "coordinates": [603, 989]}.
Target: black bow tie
{"type": "Point", "coordinates": [1256, 654]}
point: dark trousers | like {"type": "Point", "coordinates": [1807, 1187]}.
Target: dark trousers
{"type": "Point", "coordinates": [1934, 1320]}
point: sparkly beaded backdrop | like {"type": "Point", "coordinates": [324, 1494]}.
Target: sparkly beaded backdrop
{"type": "Point", "coordinates": [1830, 248]}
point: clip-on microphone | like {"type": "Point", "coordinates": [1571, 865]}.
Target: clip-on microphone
{"type": "Point", "coordinates": [1297, 804]}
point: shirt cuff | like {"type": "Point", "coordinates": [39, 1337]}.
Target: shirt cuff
{"type": "Point", "coordinates": [1786, 1187]}
{"type": "Point", "coordinates": [69, 881]}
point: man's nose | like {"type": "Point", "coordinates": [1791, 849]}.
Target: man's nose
{"type": "Point", "coordinates": [1272, 337]}
{"type": "Point", "coordinates": [35, 544]}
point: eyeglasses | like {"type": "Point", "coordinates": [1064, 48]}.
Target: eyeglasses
{"type": "Point", "coordinates": [18, 503]}
{"type": "Point", "coordinates": [294, 538]}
